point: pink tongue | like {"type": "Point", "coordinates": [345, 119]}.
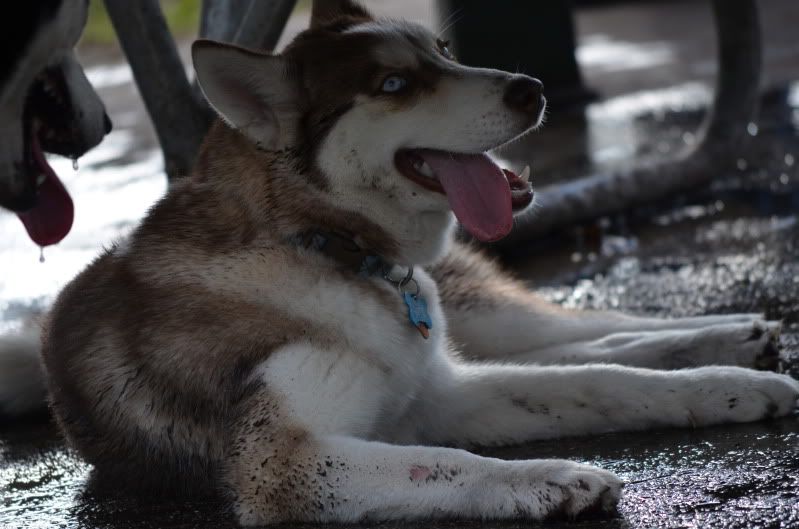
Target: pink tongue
{"type": "Point", "coordinates": [51, 218]}
{"type": "Point", "coordinates": [477, 190]}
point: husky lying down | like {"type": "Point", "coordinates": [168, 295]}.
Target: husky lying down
{"type": "Point", "coordinates": [281, 327]}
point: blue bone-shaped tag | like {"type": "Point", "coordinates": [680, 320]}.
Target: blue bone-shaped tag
{"type": "Point", "coordinates": [417, 313]}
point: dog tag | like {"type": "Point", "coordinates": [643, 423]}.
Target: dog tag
{"type": "Point", "coordinates": [417, 313]}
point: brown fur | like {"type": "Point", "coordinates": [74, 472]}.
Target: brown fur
{"type": "Point", "coordinates": [116, 335]}
{"type": "Point", "coordinates": [467, 279]}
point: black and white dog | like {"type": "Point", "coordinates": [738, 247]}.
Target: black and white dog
{"type": "Point", "coordinates": [46, 105]}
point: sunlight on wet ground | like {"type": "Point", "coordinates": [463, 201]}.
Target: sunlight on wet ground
{"type": "Point", "coordinates": [603, 53]}
{"type": "Point", "coordinates": [734, 477]}
{"type": "Point", "coordinates": [614, 138]}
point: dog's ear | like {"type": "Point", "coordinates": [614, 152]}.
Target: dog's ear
{"type": "Point", "coordinates": [255, 93]}
{"type": "Point", "coordinates": [327, 11]}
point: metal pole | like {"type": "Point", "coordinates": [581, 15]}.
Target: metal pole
{"type": "Point", "coordinates": [180, 119]}
{"type": "Point", "coordinates": [263, 24]}
{"type": "Point", "coordinates": [221, 18]}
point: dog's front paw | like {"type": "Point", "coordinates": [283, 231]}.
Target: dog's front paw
{"type": "Point", "coordinates": [584, 489]}
{"type": "Point", "coordinates": [558, 488]}
{"type": "Point", "coordinates": [767, 333]}
{"type": "Point", "coordinates": [751, 344]}
{"type": "Point", "coordinates": [730, 394]}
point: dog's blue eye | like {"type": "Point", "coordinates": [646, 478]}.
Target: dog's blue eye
{"type": "Point", "coordinates": [393, 84]}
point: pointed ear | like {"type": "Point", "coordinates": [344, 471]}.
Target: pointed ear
{"type": "Point", "coordinates": [255, 93]}
{"type": "Point", "coordinates": [326, 11]}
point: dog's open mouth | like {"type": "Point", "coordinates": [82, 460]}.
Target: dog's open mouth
{"type": "Point", "coordinates": [47, 127]}
{"type": "Point", "coordinates": [482, 195]}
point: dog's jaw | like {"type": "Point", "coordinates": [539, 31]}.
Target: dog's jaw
{"type": "Point", "coordinates": [366, 182]}
{"type": "Point", "coordinates": [424, 239]}
{"type": "Point", "coordinates": [420, 232]}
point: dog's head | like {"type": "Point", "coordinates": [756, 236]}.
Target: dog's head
{"type": "Point", "coordinates": [46, 105]}
{"type": "Point", "coordinates": [395, 128]}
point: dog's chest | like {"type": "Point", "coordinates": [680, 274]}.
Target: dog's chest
{"type": "Point", "coordinates": [382, 321]}
{"type": "Point", "coordinates": [378, 360]}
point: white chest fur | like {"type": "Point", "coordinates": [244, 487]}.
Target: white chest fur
{"type": "Point", "coordinates": [361, 363]}
{"type": "Point", "coordinates": [364, 384]}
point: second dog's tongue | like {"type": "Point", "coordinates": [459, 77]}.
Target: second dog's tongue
{"type": "Point", "coordinates": [477, 190]}
{"type": "Point", "coordinates": [50, 219]}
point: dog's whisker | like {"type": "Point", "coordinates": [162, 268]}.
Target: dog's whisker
{"type": "Point", "coordinates": [452, 19]}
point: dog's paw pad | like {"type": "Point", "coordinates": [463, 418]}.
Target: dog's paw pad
{"type": "Point", "coordinates": [772, 410]}
{"type": "Point", "coordinates": [769, 357]}
{"type": "Point", "coordinates": [781, 392]}
{"type": "Point", "coordinates": [587, 492]}
{"type": "Point", "coordinates": [757, 333]}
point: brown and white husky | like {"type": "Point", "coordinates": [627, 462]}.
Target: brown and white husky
{"type": "Point", "coordinates": [294, 326]}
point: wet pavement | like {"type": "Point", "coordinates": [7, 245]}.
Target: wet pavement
{"type": "Point", "coordinates": [731, 248]}
{"type": "Point", "coordinates": [742, 476]}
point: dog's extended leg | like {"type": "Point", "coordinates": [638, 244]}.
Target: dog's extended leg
{"type": "Point", "coordinates": [472, 404]}
{"type": "Point", "coordinates": [494, 317]}
{"type": "Point", "coordinates": [342, 479]}
{"type": "Point", "coordinates": [295, 455]}
{"type": "Point", "coordinates": [737, 344]}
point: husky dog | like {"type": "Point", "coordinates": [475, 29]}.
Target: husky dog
{"type": "Point", "coordinates": [294, 326]}
{"type": "Point", "coordinates": [46, 105]}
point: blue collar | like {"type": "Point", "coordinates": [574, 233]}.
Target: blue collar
{"type": "Point", "coordinates": [345, 251]}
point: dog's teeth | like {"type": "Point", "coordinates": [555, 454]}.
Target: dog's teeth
{"type": "Point", "coordinates": [525, 176]}
{"type": "Point", "coordinates": [427, 170]}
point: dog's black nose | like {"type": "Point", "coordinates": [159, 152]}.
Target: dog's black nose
{"type": "Point", "coordinates": [524, 93]}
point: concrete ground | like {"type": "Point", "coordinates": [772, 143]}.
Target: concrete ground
{"type": "Point", "coordinates": [731, 248]}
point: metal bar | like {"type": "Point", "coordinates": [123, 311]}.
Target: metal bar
{"type": "Point", "coordinates": [263, 24]}
{"type": "Point", "coordinates": [737, 93]}
{"type": "Point", "coordinates": [180, 119]}
{"type": "Point", "coordinates": [220, 19]}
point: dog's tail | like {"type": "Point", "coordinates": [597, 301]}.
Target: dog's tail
{"type": "Point", "coordinates": [22, 385]}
